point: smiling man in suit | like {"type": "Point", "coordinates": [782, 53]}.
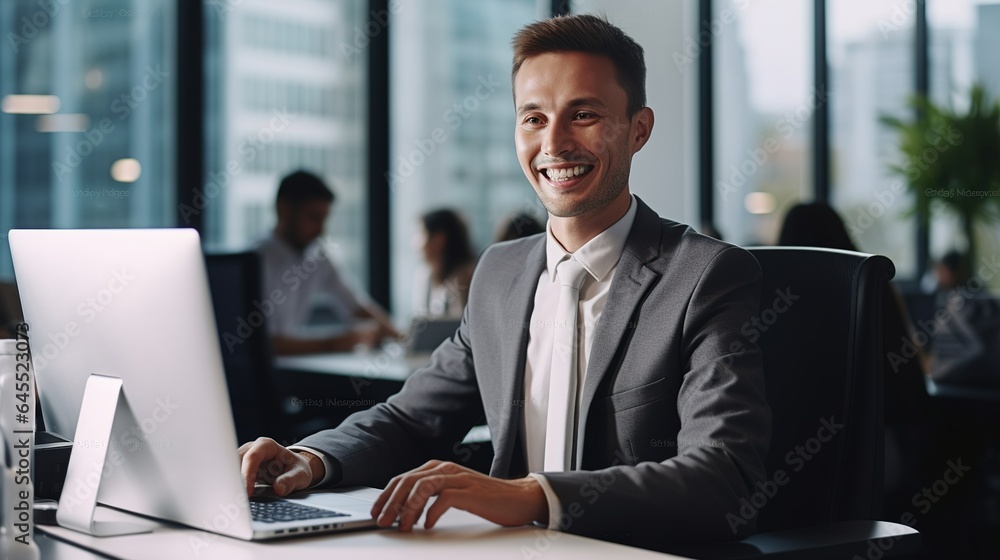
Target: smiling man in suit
{"type": "Point", "coordinates": [606, 354]}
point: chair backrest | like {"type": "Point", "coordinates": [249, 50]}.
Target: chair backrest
{"type": "Point", "coordinates": [235, 282]}
{"type": "Point", "coordinates": [820, 334]}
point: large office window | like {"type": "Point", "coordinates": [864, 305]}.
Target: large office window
{"type": "Point", "coordinates": [763, 113]}
{"type": "Point", "coordinates": [286, 90]}
{"type": "Point", "coordinates": [452, 124]}
{"type": "Point", "coordinates": [871, 65]}
{"type": "Point", "coordinates": [86, 115]}
{"type": "Point", "coordinates": [877, 56]}
{"type": "Point", "coordinates": [964, 46]}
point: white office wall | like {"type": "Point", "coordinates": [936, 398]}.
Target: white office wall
{"type": "Point", "coordinates": [664, 173]}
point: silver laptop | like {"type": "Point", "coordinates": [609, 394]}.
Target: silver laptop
{"type": "Point", "coordinates": [134, 304]}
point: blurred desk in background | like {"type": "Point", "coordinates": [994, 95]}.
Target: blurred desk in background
{"type": "Point", "coordinates": [322, 390]}
{"type": "Point", "coordinates": [389, 364]}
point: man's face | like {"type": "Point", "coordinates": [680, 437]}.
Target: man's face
{"type": "Point", "coordinates": [573, 137]}
{"type": "Point", "coordinates": [305, 221]}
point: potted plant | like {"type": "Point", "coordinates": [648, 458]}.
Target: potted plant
{"type": "Point", "coordinates": [951, 161]}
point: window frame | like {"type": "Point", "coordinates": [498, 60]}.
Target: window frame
{"type": "Point", "coordinates": [191, 125]}
{"type": "Point", "coordinates": [821, 145]}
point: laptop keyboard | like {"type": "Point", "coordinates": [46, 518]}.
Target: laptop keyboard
{"type": "Point", "coordinates": [276, 510]}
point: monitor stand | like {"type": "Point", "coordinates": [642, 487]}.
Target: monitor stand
{"type": "Point", "coordinates": [86, 463]}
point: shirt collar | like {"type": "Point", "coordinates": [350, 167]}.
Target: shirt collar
{"type": "Point", "coordinates": [599, 255]}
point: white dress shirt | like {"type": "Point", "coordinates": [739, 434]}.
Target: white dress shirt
{"type": "Point", "coordinates": [599, 257]}
{"type": "Point", "coordinates": [300, 283]}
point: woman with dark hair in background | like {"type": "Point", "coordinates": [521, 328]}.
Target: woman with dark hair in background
{"type": "Point", "coordinates": [517, 226]}
{"type": "Point", "coordinates": [451, 261]}
{"type": "Point", "coordinates": [814, 225]}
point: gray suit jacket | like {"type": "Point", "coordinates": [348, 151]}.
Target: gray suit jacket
{"type": "Point", "coordinates": [675, 421]}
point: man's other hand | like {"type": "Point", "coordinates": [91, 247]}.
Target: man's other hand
{"type": "Point", "coordinates": [506, 502]}
{"type": "Point", "coordinates": [286, 471]}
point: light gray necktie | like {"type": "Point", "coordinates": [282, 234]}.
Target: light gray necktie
{"type": "Point", "coordinates": [561, 416]}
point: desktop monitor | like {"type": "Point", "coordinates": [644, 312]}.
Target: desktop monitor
{"type": "Point", "coordinates": [135, 305]}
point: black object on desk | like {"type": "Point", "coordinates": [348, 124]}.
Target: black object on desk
{"type": "Point", "coordinates": [44, 512]}
{"type": "Point", "coordinates": [51, 460]}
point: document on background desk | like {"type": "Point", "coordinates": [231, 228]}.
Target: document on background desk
{"type": "Point", "coordinates": [370, 365]}
{"type": "Point", "coordinates": [458, 535]}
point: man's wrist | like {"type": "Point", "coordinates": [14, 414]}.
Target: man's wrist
{"type": "Point", "coordinates": [553, 508]}
{"type": "Point", "coordinates": [540, 502]}
{"type": "Point", "coordinates": [316, 466]}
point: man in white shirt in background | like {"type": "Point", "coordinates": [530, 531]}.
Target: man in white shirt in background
{"type": "Point", "coordinates": [299, 278]}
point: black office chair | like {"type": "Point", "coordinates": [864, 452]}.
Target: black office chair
{"type": "Point", "coordinates": [235, 282]}
{"type": "Point", "coordinates": [822, 357]}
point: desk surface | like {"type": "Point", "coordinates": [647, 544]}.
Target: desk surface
{"type": "Point", "coordinates": [458, 535]}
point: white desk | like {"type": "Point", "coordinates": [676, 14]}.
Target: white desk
{"type": "Point", "coordinates": [459, 535]}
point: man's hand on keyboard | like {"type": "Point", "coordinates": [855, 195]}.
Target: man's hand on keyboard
{"type": "Point", "coordinates": [505, 502]}
{"type": "Point", "coordinates": [286, 471]}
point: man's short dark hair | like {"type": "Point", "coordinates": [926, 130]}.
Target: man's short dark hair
{"type": "Point", "coordinates": [302, 187]}
{"type": "Point", "coordinates": [591, 35]}
{"type": "Point", "coordinates": [958, 264]}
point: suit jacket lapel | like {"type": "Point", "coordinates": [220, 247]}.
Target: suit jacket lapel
{"type": "Point", "coordinates": [631, 282]}
{"type": "Point", "coordinates": [519, 303]}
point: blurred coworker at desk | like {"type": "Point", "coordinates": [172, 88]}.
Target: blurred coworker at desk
{"type": "Point", "coordinates": [965, 349]}
{"type": "Point", "coordinates": [296, 262]}
{"type": "Point", "coordinates": [444, 290]}
{"type": "Point", "coordinates": [951, 271]}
